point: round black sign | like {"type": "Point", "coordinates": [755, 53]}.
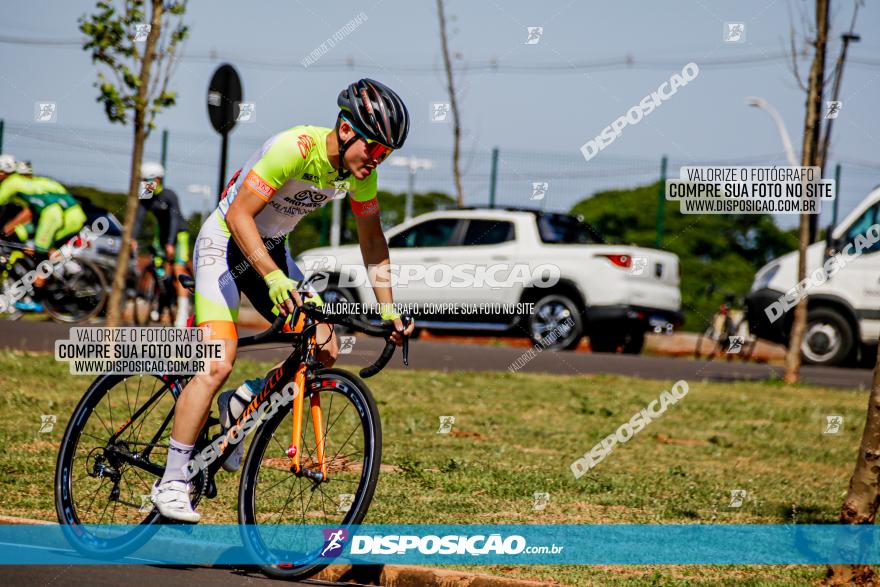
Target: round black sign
{"type": "Point", "coordinates": [224, 96]}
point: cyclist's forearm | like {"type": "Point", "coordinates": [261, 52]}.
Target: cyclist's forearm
{"type": "Point", "coordinates": [20, 218]}
{"type": "Point", "coordinates": [376, 259]}
{"type": "Point", "coordinates": [247, 237]}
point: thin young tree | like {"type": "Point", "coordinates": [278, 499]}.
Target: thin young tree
{"type": "Point", "coordinates": [135, 53]}
{"type": "Point", "coordinates": [810, 156]}
{"type": "Point", "coordinates": [453, 105]}
{"type": "Point", "coordinates": [863, 496]}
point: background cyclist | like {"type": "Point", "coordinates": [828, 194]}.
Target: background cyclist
{"type": "Point", "coordinates": [171, 240]}
{"type": "Point", "coordinates": [242, 247]}
{"type": "Point", "coordinates": [45, 205]}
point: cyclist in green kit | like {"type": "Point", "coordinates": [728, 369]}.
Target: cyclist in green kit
{"type": "Point", "coordinates": [44, 202]}
{"type": "Point", "coordinates": [242, 247]}
{"type": "Point", "coordinates": [48, 213]}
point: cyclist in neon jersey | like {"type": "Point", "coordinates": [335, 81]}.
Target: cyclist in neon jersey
{"type": "Point", "coordinates": [45, 202]}
{"type": "Point", "coordinates": [242, 247]}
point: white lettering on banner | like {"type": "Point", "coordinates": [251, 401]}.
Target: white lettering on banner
{"type": "Point", "coordinates": [440, 545]}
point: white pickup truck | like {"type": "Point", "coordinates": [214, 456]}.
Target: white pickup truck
{"type": "Point", "coordinates": [520, 272]}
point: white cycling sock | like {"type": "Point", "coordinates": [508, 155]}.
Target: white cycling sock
{"type": "Point", "coordinates": [178, 456]}
{"type": "Point", "coordinates": [182, 311]}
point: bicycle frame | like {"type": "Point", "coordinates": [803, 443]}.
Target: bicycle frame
{"type": "Point", "coordinates": [294, 369]}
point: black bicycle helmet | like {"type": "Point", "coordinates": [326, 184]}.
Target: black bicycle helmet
{"type": "Point", "coordinates": [376, 111]}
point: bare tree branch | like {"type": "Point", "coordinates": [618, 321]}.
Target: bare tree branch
{"type": "Point", "coordinates": [456, 130]}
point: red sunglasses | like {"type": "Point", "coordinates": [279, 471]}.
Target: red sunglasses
{"type": "Point", "coordinates": [375, 150]}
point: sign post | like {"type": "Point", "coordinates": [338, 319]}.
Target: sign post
{"type": "Point", "coordinates": [224, 96]}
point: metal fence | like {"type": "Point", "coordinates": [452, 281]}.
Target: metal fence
{"type": "Point", "coordinates": [535, 178]}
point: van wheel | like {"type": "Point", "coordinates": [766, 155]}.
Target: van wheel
{"type": "Point", "coordinates": [629, 342]}
{"type": "Point", "coordinates": [828, 338]}
{"type": "Point", "coordinates": [336, 295]}
{"type": "Point", "coordinates": [556, 323]}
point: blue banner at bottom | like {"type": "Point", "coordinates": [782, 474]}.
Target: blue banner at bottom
{"type": "Point", "coordinates": [440, 544]}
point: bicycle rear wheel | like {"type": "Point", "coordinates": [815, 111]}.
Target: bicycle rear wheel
{"type": "Point", "coordinates": [270, 495]}
{"type": "Point", "coordinates": [96, 485]}
{"type": "Point", "coordinates": [710, 334]}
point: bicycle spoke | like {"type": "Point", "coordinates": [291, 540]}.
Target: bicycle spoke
{"type": "Point", "coordinates": [273, 504]}
{"type": "Point", "coordinates": [110, 416]}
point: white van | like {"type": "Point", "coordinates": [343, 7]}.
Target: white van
{"type": "Point", "coordinates": [843, 312]}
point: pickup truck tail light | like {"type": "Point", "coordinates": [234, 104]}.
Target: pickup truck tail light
{"type": "Point", "coordinates": [624, 261]}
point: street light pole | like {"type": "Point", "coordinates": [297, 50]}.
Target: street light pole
{"type": "Point", "coordinates": [412, 164]}
{"type": "Point", "coordinates": [764, 105]}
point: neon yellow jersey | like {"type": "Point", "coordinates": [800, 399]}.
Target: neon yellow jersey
{"type": "Point", "coordinates": [292, 173]}
{"type": "Point", "coordinates": [34, 192]}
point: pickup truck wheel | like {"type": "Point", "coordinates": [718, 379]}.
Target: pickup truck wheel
{"type": "Point", "coordinates": [547, 324]}
{"type": "Point", "coordinates": [634, 342]}
{"type": "Point", "coordinates": [828, 338]}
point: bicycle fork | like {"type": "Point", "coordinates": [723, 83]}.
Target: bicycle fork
{"type": "Point", "coordinates": [294, 451]}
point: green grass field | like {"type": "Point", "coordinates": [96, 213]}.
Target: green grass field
{"type": "Point", "coordinates": [517, 434]}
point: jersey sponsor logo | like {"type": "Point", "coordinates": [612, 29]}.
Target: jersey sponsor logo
{"type": "Point", "coordinates": [259, 185]}
{"type": "Point", "coordinates": [300, 203]}
{"type": "Point", "coordinates": [368, 208]}
{"type": "Point", "coordinates": [305, 143]}
{"type": "Point", "coordinates": [303, 195]}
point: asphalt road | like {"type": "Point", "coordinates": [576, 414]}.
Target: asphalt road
{"type": "Point", "coordinates": [454, 356]}
{"type": "Point", "coordinates": [140, 576]}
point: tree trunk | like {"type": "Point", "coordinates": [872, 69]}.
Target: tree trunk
{"type": "Point", "coordinates": [117, 289]}
{"type": "Point", "coordinates": [863, 496]}
{"type": "Point", "coordinates": [810, 157]}
{"type": "Point", "coordinates": [453, 105]}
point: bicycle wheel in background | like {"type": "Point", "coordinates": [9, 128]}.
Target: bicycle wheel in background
{"type": "Point", "coordinates": [147, 299]}
{"type": "Point", "coordinates": [271, 495]}
{"type": "Point", "coordinates": [707, 335]}
{"type": "Point", "coordinates": [75, 292]}
{"type": "Point", "coordinates": [94, 484]}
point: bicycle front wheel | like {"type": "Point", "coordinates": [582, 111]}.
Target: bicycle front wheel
{"type": "Point", "coordinates": [76, 292]}
{"type": "Point", "coordinates": [276, 505]}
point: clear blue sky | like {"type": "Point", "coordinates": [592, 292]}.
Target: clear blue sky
{"type": "Point", "coordinates": [539, 120]}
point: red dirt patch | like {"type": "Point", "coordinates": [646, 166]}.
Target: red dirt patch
{"type": "Point", "coordinates": [663, 439]}
{"type": "Point", "coordinates": [465, 434]}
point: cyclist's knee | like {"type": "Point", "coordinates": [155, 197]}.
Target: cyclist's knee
{"type": "Point", "coordinates": [329, 350]}
{"type": "Point", "coordinates": [218, 374]}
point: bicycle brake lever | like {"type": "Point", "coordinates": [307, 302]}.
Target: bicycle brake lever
{"type": "Point", "coordinates": [406, 323]}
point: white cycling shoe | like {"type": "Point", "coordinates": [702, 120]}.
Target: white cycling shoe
{"type": "Point", "coordinates": [233, 463]}
{"type": "Point", "coordinates": [172, 501]}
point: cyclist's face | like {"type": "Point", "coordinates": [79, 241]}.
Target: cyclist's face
{"type": "Point", "coordinates": [362, 156]}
